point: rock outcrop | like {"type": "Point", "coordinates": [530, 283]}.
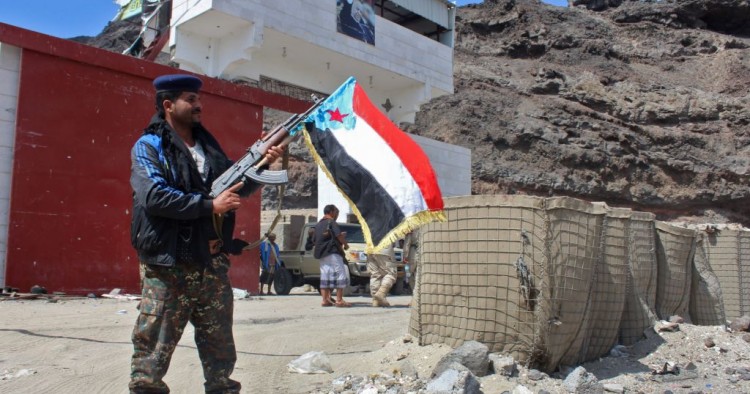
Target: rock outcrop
{"type": "Point", "coordinates": [635, 105]}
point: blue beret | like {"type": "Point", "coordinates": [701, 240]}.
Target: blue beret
{"type": "Point", "coordinates": [179, 82]}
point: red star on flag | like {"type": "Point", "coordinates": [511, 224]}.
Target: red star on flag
{"type": "Point", "coordinates": [337, 116]}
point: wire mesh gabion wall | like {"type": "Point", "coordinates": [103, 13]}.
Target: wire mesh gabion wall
{"type": "Point", "coordinates": [551, 281]}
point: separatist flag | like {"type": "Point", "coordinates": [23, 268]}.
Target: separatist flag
{"type": "Point", "coordinates": [383, 174]}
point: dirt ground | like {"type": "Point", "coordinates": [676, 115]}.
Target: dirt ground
{"type": "Point", "coordinates": [82, 345]}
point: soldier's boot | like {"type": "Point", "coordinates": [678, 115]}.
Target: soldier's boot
{"type": "Point", "coordinates": [380, 296]}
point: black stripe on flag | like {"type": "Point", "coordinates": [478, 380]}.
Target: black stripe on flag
{"type": "Point", "coordinates": [377, 207]}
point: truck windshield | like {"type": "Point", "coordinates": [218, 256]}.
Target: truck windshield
{"type": "Point", "coordinates": [353, 234]}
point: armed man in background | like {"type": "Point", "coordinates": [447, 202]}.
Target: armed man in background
{"type": "Point", "coordinates": [382, 268]}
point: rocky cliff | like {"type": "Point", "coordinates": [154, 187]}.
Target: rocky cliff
{"type": "Point", "coordinates": [638, 104]}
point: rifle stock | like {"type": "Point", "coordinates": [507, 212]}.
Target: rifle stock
{"type": "Point", "coordinates": [251, 167]}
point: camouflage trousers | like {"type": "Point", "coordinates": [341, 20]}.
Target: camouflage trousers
{"type": "Point", "coordinates": [382, 272]}
{"type": "Point", "coordinates": [172, 297]}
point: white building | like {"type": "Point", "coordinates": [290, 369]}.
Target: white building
{"type": "Point", "coordinates": [400, 51]}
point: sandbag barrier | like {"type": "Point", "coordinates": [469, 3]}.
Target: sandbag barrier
{"type": "Point", "coordinates": [560, 281]}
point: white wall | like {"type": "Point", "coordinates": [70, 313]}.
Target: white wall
{"type": "Point", "coordinates": [452, 164]}
{"type": "Point", "coordinates": [10, 59]}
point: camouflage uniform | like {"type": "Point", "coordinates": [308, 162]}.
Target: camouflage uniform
{"type": "Point", "coordinates": [181, 249]}
{"type": "Point", "coordinates": [172, 296]}
{"type": "Point", "coordinates": [383, 271]}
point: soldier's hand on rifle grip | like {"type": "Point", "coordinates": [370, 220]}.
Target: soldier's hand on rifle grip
{"type": "Point", "coordinates": [228, 200]}
{"type": "Point", "coordinates": [274, 153]}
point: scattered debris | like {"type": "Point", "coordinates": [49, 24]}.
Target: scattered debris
{"type": "Point", "coordinates": [668, 368]}
{"type": "Point", "coordinates": [503, 365]}
{"type": "Point", "coordinates": [20, 296]}
{"type": "Point", "coordinates": [311, 362]}
{"type": "Point", "coordinates": [671, 372]}
{"type": "Point", "coordinates": [240, 293]}
{"type": "Point", "coordinates": [452, 381]}
{"type": "Point", "coordinates": [472, 355]}
{"type": "Point", "coordinates": [9, 290]}
{"type": "Point", "coordinates": [582, 381]}
{"type": "Point", "coordinates": [9, 374]}
{"type": "Point", "coordinates": [667, 326]}
{"type": "Point", "coordinates": [115, 293]}
{"type": "Point", "coordinates": [740, 324]}
{"type": "Point", "coordinates": [36, 289]}
{"type": "Point", "coordinates": [536, 375]}
{"type": "Point", "coordinates": [658, 363]}
{"type": "Point", "coordinates": [619, 351]}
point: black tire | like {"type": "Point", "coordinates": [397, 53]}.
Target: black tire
{"type": "Point", "coordinates": [298, 280]}
{"type": "Point", "coordinates": [282, 281]}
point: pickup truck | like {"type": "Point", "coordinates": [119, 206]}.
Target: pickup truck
{"type": "Point", "coordinates": [301, 267]}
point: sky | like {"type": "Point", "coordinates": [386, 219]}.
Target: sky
{"type": "Point", "coordinates": [71, 18]}
{"type": "Point", "coordinates": [59, 18]}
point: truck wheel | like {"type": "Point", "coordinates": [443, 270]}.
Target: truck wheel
{"type": "Point", "coordinates": [282, 281]}
{"type": "Point", "coordinates": [298, 280]}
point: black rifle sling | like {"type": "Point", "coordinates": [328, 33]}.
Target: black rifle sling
{"type": "Point", "coordinates": [335, 240]}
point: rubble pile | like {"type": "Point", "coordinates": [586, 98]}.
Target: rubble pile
{"type": "Point", "coordinates": [674, 356]}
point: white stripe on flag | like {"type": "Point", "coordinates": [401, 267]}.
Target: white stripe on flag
{"type": "Point", "coordinates": [365, 146]}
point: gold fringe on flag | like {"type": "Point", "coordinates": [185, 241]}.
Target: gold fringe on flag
{"type": "Point", "coordinates": [408, 225]}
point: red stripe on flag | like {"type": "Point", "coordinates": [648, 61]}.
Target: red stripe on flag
{"type": "Point", "coordinates": [408, 151]}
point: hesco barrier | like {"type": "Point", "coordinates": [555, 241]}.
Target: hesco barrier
{"type": "Point", "coordinates": [706, 306]}
{"type": "Point", "coordinates": [559, 281]}
{"type": "Point", "coordinates": [674, 256]}
{"type": "Point", "coordinates": [727, 254]}
{"type": "Point", "coordinates": [640, 298]}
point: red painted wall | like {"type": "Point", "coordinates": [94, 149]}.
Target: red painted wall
{"type": "Point", "coordinates": [80, 109]}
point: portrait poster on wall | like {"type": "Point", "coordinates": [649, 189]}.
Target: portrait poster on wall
{"type": "Point", "coordinates": [356, 19]}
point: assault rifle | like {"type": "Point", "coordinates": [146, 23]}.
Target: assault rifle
{"type": "Point", "coordinates": [250, 167]}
